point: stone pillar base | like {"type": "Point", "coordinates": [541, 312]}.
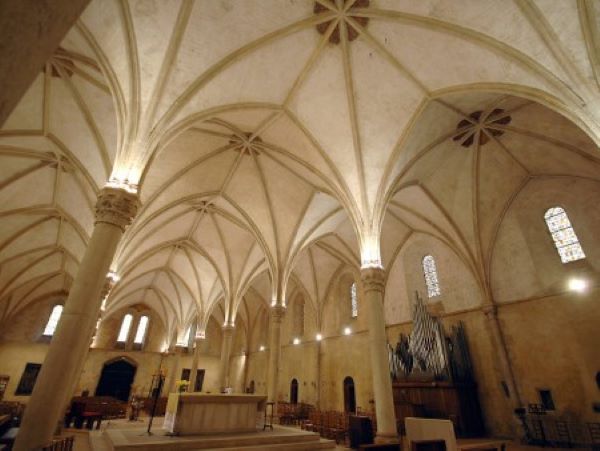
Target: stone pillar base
{"type": "Point", "coordinates": [385, 438]}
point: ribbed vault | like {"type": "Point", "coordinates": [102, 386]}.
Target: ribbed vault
{"type": "Point", "coordinates": [269, 137]}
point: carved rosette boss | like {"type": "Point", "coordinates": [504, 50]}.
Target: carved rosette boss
{"type": "Point", "coordinates": [117, 207]}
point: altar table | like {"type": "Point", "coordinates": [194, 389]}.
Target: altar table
{"type": "Point", "coordinates": [199, 413]}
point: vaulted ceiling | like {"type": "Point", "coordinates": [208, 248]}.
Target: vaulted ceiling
{"type": "Point", "coordinates": [271, 138]}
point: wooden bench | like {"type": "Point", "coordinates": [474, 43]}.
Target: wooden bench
{"type": "Point", "coordinates": [9, 437]}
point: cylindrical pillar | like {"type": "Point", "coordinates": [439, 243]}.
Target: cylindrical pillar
{"type": "Point", "coordinates": [194, 369]}
{"type": "Point", "coordinates": [373, 280]}
{"type": "Point", "coordinates": [115, 210]}
{"type": "Point", "coordinates": [225, 355]}
{"type": "Point", "coordinates": [318, 378]}
{"type": "Point", "coordinates": [491, 313]}
{"type": "Point", "coordinates": [277, 314]}
{"type": "Point", "coordinates": [175, 370]}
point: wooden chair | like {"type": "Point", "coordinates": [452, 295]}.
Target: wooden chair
{"type": "Point", "coordinates": [594, 431]}
{"type": "Point", "coordinates": [63, 444]}
{"type": "Point", "coordinates": [563, 436]}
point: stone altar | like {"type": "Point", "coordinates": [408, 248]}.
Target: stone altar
{"type": "Point", "coordinates": [199, 413]}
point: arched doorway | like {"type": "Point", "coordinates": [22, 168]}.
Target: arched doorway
{"type": "Point", "coordinates": [294, 392]}
{"type": "Point", "coordinates": [349, 395]}
{"type": "Point", "coordinates": [116, 379]}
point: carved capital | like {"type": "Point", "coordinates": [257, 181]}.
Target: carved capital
{"type": "Point", "coordinates": [228, 329]}
{"type": "Point", "coordinates": [373, 279]}
{"type": "Point", "coordinates": [117, 207]}
{"type": "Point", "coordinates": [277, 313]}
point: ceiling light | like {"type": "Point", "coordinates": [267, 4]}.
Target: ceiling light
{"type": "Point", "coordinates": [261, 348]}
{"type": "Point", "coordinates": [319, 337]}
{"type": "Point", "coordinates": [578, 285]}
{"type": "Point", "coordinates": [347, 331]}
{"type": "Point", "coordinates": [296, 341]}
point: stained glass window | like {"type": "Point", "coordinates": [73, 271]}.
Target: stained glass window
{"type": "Point", "coordinates": [53, 320]}
{"type": "Point", "coordinates": [140, 334]}
{"type": "Point", "coordinates": [354, 300]}
{"type": "Point", "coordinates": [431, 276]}
{"type": "Point", "coordinates": [564, 237]}
{"type": "Point", "coordinates": [125, 325]}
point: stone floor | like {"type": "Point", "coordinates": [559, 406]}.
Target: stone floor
{"type": "Point", "coordinates": [82, 438]}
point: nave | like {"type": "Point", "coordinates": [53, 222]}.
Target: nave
{"type": "Point", "coordinates": [364, 207]}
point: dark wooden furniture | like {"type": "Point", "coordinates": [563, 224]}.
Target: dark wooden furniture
{"type": "Point", "coordinates": [594, 432]}
{"type": "Point", "coordinates": [381, 447]}
{"type": "Point", "coordinates": [428, 445]}
{"type": "Point", "coordinates": [360, 431]}
{"type": "Point", "coordinates": [5, 423]}
{"type": "Point", "coordinates": [456, 402]}
{"type": "Point", "coordinates": [60, 444]}
{"type": "Point", "coordinates": [86, 411]}
{"type": "Point", "coordinates": [8, 438]}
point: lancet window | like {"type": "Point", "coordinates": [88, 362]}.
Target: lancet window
{"type": "Point", "coordinates": [53, 320]}
{"type": "Point", "coordinates": [565, 240]}
{"type": "Point", "coordinates": [431, 276]}
{"type": "Point", "coordinates": [125, 326]}
{"type": "Point", "coordinates": [140, 334]}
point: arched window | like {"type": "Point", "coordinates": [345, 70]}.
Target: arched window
{"type": "Point", "coordinates": [431, 276]}
{"type": "Point", "coordinates": [563, 235]}
{"type": "Point", "coordinates": [53, 320]}
{"type": "Point", "coordinates": [354, 300]}
{"type": "Point", "coordinates": [125, 326]}
{"type": "Point", "coordinates": [140, 334]}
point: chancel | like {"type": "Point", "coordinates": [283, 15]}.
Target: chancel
{"type": "Point", "coordinates": [299, 224]}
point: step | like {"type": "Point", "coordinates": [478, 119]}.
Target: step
{"type": "Point", "coordinates": [301, 446]}
{"type": "Point", "coordinates": [280, 438]}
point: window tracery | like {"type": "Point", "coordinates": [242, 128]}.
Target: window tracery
{"type": "Point", "coordinates": [431, 276]}
{"type": "Point", "coordinates": [565, 240]}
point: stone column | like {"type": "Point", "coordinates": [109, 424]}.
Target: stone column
{"type": "Point", "coordinates": [115, 210]}
{"type": "Point", "coordinates": [318, 381]}
{"type": "Point", "coordinates": [491, 314]}
{"type": "Point", "coordinates": [225, 355]}
{"type": "Point", "coordinates": [277, 314]}
{"type": "Point", "coordinates": [175, 370]}
{"type": "Point", "coordinates": [373, 280]}
{"type": "Point", "coordinates": [194, 368]}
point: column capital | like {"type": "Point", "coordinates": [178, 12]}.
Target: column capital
{"type": "Point", "coordinates": [277, 313]}
{"type": "Point", "coordinates": [228, 328]}
{"type": "Point", "coordinates": [373, 279]}
{"type": "Point", "coordinates": [116, 206]}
